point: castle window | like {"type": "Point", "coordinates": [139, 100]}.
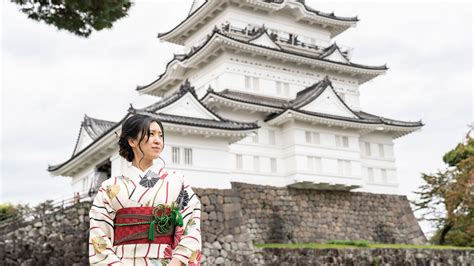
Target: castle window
{"type": "Point", "coordinates": [255, 138]}
{"type": "Point", "coordinates": [188, 156]}
{"type": "Point", "coordinates": [342, 141]}
{"type": "Point", "coordinates": [256, 163]}
{"type": "Point", "coordinates": [370, 172]}
{"type": "Point", "coordinates": [381, 151]}
{"type": "Point", "coordinates": [238, 161]}
{"type": "Point", "coordinates": [175, 158]}
{"type": "Point", "coordinates": [286, 89]}
{"type": "Point", "coordinates": [283, 88]}
{"type": "Point", "coordinates": [314, 164]}
{"type": "Point", "coordinates": [384, 175]}
{"type": "Point", "coordinates": [273, 165]}
{"type": "Point", "coordinates": [367, 149]}
{"type": "Point", "coordinates": [312, 137]}
{"type": "Point", "coordinates": [271, 137]}
{"type": "Point", "coordinates": [252, 83]}
{"type": "Point", "coordinates": [344, 167]}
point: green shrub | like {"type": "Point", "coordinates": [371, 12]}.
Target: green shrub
{"type": "Point", "coordinates": [7, 210]}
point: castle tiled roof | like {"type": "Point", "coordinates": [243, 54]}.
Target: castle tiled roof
{"type": "Point", "coordinates": [330, 16]}
{"type": "Point", "coordinates": [216, 32]}
{"type": "Point", "coordinates": [225, 124]}
{"type": "Point", "coordinates": [248, 98]}
{"type": "Point", "coordinates": [328, 50]}
{"type": "Point", "coordinates": [316, 12]}
{"type": "Point", "coordinates": [302, 98]}
{"type": "Point", "coordinates": [186, 87]}
{"type": "Point", "coordinates": [94, 128]}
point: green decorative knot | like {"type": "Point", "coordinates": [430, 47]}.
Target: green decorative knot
{"type": "Point", "coordinates": [163, 223]}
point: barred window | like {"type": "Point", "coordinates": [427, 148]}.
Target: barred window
{"type": "Point", "coordinates": [345, 141]}
{"type": "Point", "coordinates": [188, 156]}
{"type": "Point", "coordinates": [384, 175]}
{"type": "Point", "coordinates": [367, 149]}
{"type": "Point", "coordinates": [308, 136]}
{"type": "Point", "coordinates": [316, 138]}
{"type": "Point", "coordinates": [381, 151]}
{"type": "Point", "coordinates": [344, 167]}
{"type": "Point", "coordinates": [271, 137]}
{"type": "Point", "coordinates": [342, 141]}
{"type": "Point", "coordinates": [255, 138]}
{"type": "Point", "coordinates": [238, 161]}
{"type": "Point", "coordinates": [314, 164]}
{"type": "Point", "coordinates": [175, 155]}
{"type": "Point", "coordinates": [278, 87]}
{"type": "Point", "coordinates": [286, 89]}
{"type": "Point", "coordinates": [248, 82]}
{"type": "Point", "coordinates": [273, 165]}
{"type": "Point", "coordinates": [256, 163]}
{"type": "Point", "coordinates": [256, 84]}
{"type": "Point", "coordinates": [370, 172]}
{"type": "Point", "coordinates": [312, 137]}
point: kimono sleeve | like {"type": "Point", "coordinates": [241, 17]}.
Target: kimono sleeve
{"type": "Point", "coordinates": [187, 239]}
{"type": "Point", "coordinates": [101, 215]}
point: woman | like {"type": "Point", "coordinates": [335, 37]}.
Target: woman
{"type": "Point", "coordinates": [147, 215]}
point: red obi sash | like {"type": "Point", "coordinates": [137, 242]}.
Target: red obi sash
{"type": "Point", "coordinates": [132, 226]}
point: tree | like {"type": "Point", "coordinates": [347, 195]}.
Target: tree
{"type": "Point", "coordinates": [6, 211]}
{"type": "Point", "coordinates": [447, 197]}
{"type": "Point", "coordinates": [80, 17]}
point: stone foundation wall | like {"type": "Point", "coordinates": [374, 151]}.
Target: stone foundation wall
{"type": "Point", "coordinates": [59, 239]}
{"type": "Point", "coordinates": [283, 215]}
{"type": "Point", "coordinates": [372, 257]}
{"type": "Point", "coordinates": [233, 220]}
{"type": "Point", "coordinates": [225, 238]}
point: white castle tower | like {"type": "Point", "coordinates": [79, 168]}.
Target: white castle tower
{"type": "Point", "coordinates": [261, 95]}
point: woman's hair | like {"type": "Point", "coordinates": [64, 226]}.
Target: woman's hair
{"type": "Point", "coordinates": [131, 129]}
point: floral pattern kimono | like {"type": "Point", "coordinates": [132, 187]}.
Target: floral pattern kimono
{"type": "Point", "coordinates": [149, 188]}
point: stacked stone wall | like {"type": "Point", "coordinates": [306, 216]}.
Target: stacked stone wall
{"type": "Point", "coordinates": [285, 215]}
{"type": "Point", "coordinates": [60, 238]}
{"type": "Point", "coordinates": [233, 220]}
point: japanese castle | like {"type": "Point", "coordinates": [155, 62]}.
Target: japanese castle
{"type": "Point", "coordinates": [261, 95]}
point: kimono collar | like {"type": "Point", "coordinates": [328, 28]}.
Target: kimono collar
{"type": "Point", "coordinates": [134, 172]}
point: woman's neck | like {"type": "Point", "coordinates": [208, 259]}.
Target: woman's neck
{"type": "Point", "coordinates": [144, 164]}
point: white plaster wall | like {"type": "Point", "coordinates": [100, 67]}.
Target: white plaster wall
{"type": "Point", "coordinates": [228, 71]}
{"type": "Point", "coordinates": [377, 162]}
{"type": "Point", "coordinates": [231, 72]}
{"type": "Point", "coordinates": [211, 159]}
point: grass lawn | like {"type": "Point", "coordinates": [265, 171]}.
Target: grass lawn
{"type": "Point", "coordinates": [356, 244]}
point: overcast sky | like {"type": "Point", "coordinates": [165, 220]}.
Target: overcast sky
{"type": "Point", "coordinates": [51, 78]}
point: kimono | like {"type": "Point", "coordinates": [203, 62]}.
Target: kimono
{"type": "Point", "coordinates": [149, 188]}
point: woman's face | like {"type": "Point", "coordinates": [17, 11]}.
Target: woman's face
{"type": "Point", "coordinates": [152, 147]}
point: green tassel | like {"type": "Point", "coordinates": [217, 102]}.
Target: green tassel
{"type": "Point", "coordinates": [151, 231]}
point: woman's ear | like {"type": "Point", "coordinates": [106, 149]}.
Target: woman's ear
{"type": "Point", "coordinates": [132, 143]}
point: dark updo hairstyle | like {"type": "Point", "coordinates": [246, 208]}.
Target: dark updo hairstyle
{"type": "Point", "coordinates": [131, 129]}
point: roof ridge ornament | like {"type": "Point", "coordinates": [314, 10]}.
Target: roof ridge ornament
{"type": "Point", "coordinates": [132, 109]}
{"type": "Point", "coordinates": [326, 81]}
{"type": "Point", "coordinates": [86, 121]}
{"type": "Point", "coordinates": [186, 86]}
